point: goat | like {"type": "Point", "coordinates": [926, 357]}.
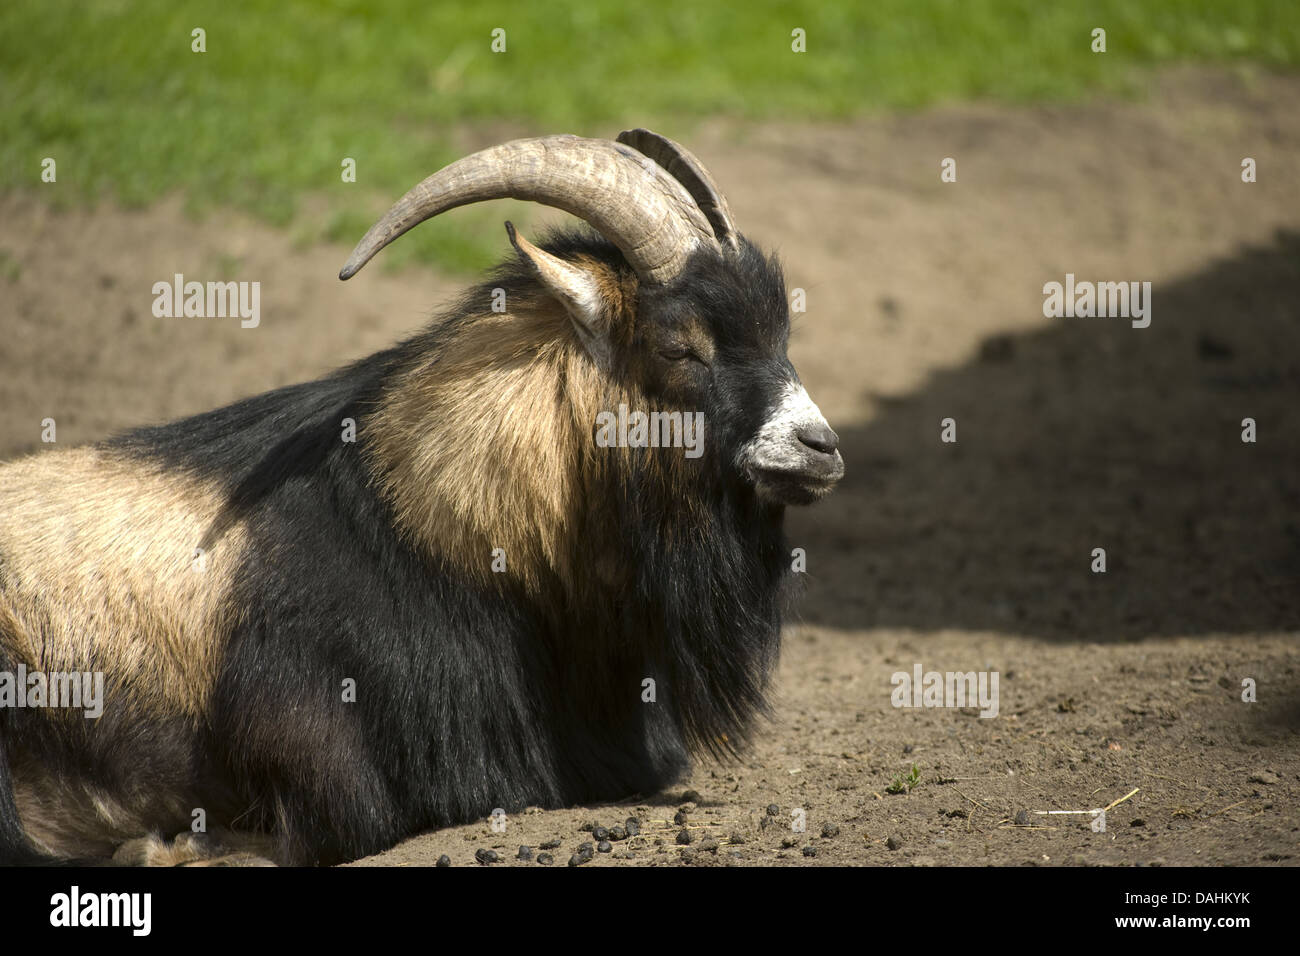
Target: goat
{"type": "Point", "coordinates": [470, 603]}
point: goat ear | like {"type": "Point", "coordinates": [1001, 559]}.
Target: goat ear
{"type": "Point", "coordinates": [578, 289]}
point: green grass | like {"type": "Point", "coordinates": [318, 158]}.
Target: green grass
{"type": "Point", "coordinates": [287, 88]}
{"type": "Point", "coordinates": [905, 783]}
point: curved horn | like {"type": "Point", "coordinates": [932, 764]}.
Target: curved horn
{"type": "Point", "coordinates": [690, 172]}
{"type": "Point", "coordinates": [636, 205]}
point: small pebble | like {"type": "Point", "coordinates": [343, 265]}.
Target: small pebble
{"type": "Point", "coordinates": [709, 846]}
{"type": "Point", "coordinates": [810, 851]}
{"type": "Point", "coordinates": [1022, 818]}
{"type": "Point", "coordinates": [830, 830]}
{"type": "Point", "coordinates": [680, 818]}
{"type": "Point", "coordinates": [525, 853]}
{"type": "Point", "coordinates": [736, 838]}
{"type": "Point", "coordinates": [578, 859]}
{"type": "Point", "coordinates": [687, 855]}
{"type": "Point", "coordinates": [894, 842]}
{"type": "Point", "coordinates": [633, 826]}
{"type": "Point", "coordinates": [486, 856]}
{"type": "Point", "coordinates": [550, 845]}
{"type": "Point", "coordinates": [604, 846]}
{"type": "Point", "coordinates": [617, 833]}
{"type": "Point", "coordinates": [545, 859]}
{"type": "Point", "coordinates": [600, 833]}
{"type": "Point", "coordinates": [444, 860]}
{"type": "Point", "coordinates": [773, 810]}
{"type": "Point", "coordinates": [684, 838]}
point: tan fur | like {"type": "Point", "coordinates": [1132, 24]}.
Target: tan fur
{"type": "Point", "coordinates": [99, 575]}
{"type": "Point", "coordinates": [216, 848]}
{"type": "Point", "coordinates": [488, 444]}
{"type": "Point", "coordinates": [470, 469]}
{"type": "Point", "coordinates": [70, 817]}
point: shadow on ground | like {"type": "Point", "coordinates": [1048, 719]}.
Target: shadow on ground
{"type": "Point", "coordinates": [1091, 434]}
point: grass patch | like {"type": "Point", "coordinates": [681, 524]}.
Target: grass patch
{"type": "Point", "coordinates": [288, 88]}
{"type": "Point", "coordinates": [10, 269]}
{"type": "Point", "coordinates": [905, 783]}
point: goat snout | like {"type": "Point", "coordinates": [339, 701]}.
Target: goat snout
{"type": "Point", "coordinates": [794, 459]}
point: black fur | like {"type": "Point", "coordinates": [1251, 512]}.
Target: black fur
{"type": "Point", "coordinates": [14, 846]}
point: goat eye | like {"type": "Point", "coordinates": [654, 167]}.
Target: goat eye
{"type": "Point", "coordinates": [682, 353]}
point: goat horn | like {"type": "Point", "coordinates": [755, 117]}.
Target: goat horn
{"type": "Point", "coordinates": [635, 203]}
{"type": "Point", "coordinates": [690, 172]}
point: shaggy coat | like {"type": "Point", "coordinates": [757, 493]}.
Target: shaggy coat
{"type": "Point", "coordinates": [338, 643]}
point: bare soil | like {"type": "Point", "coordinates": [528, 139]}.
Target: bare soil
{"type": "Point", "coordinates": [924, 302]}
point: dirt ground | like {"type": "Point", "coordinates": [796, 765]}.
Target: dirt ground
{"type": "Point", "coordinates": [924, 302]}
